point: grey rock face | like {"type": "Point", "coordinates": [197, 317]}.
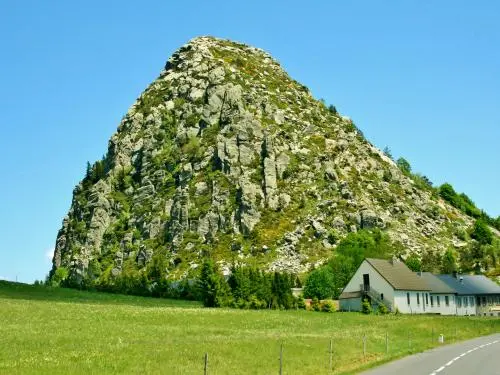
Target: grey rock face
{"type": "Point", "coordinates": [225, 148]}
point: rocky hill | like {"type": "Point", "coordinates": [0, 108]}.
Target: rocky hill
{"type": "Point", "coordinates": [225, 154]}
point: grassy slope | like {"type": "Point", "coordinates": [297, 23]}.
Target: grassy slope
{"type": "Point", "coordinates": [61, 331]}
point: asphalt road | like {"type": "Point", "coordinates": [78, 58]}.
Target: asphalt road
{"type": "Point", "coordinates": [479, 356]}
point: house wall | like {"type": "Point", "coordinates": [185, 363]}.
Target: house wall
{"type": "Point", "coordinates": [377, 282]}
{"type": "Point", "coordinates": [442, 309]}
{"type": "Point", "coordinates": [401, 302]}
{"type": "Point", "coordinates": [350, 304]}
{"type": "Point", "coordinates": [491, 307]}
{"type": "Point", "coordinates": [464, 306]}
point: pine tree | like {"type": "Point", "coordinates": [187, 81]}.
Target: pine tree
{"type": "Point", "coordinates": [213, 288]}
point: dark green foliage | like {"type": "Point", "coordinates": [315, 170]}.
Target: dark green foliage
{"type": "Point", "coordinates": [404, 165]}
{"type": "Point", "coordinates": [254, 289]}
{"type": "Point", "coordinates": [461, 201]}
{"type": "Point", "coordinates": [281, 289]}
{"type": "Point", "coordinates": [387, 152]}
{"type": "Point", "coordinates": [320, 284]}
{"type": "Point", "coordinates": [413, 263]}
{"type": "Point", "coordinates": [213, 288]}
{"type": "Point", "coordinates": [332, 109]}
{"type": "Point", "coordinates": [481, 233]}
{"type": "Point", "coordinates": [449, 262]}
{"type": "Point", "coordinates": [366, 307]}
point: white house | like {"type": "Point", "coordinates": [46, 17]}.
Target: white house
{"type": "Point", "coordinates": [392, 283]}
{"type": "Point", "coordinates": [389, 282]}
{"type": "Point", "coordinates": [442, 297]}
{"type": "Point", "coordinates": [475, 294]}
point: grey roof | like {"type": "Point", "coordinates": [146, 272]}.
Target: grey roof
{"type": "Point", "coordinates": [398, 275]}
{"type": "Point", "coordinates": [435, 284]}
{"type": "Point", "coordinates": [470, 284]}
{"type": "Point", "coordinates": [346, 295]}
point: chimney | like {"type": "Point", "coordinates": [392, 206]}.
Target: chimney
{"type": "Point", "coordinates": [393, 260]}
{"type": "Point", "coordinates": [419, 273]}
{"type": "Point", "coordinates": [455, 275]}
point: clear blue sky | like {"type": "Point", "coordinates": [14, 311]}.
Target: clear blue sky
{"type": "Point", "coordinates": [421, 77]}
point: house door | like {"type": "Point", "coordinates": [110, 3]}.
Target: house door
{"type": "Point", "coordinates": [366, 282]}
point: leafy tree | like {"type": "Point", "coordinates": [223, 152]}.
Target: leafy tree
{"type": "Point", "coordinates": [449, 262]}
{"type": "Point", "coordinates": [447, 192]}
{"type": "Point", "coordinates": [351, 252]}
{"type": "Point", "coordinates": [332, 109]}
{"type": "Point", "coordinates": [59, 276]}
{"type": "Point", "coordinates": [404, 165]}
{"type": "Point", "coordinates": [320, 284]}
{"type": "Point", "coordinates": [414, 263]}
{"type": "Point", "coordinates": [213, 288]}
{"type": "Point", "coordinates": [481, 233]}
{"type": "Point", "coordinates": [431, 261]}
{"type": "Point", "coordinates": [387, 152]}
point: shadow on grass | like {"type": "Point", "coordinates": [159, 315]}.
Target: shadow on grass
{"type": "Point", "coordinates": [12, 290]}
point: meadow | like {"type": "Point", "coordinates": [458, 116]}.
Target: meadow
{"type": "Point", "coordinates": [61, 331]}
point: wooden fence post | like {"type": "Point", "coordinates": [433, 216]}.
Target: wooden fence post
{"type": "Point", "coordinates": [387, 343]}
{"type": "Point", "coordinates": [331, 355]}
{"type": "Point", "coordinates": [364, 346]}
{"type": "Point", "coordinates": [281, 359]}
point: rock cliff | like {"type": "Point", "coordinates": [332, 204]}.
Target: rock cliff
{"type": "Point", "coordinates": [225, 154]}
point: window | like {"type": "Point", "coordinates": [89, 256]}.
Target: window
{"type": "Point", "coordinates": [471, 301]}
{"type": "Point", "coordinates": [432, 301]}
{"type": "Point", "coordinates": [490, 301]}
{"type": "Point", "coordinates": [408, 298]}
{"type": "Point", "coordinates": [466, 301]}
{"type": "Point", "coordinates": [426, 298]}
{"type": "Point", "coordinates": [483, 301]}
{"type": "Point", "coordinates": [438, 300]}
{"type": "Point", "coordinates": [459, 302]}
{"type": "Point", "coordinates": [447, 300]}
{"type": "Point", "coordinates": [418, 298]}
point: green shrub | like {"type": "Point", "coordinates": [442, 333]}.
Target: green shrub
{"type": "Point", "coordinates": [382, 309]}
{"type": "Point", "coordinates": [59, 276]}
{"type": "Point", "coordinates": [366, 307]}
{"type": "Point", "coordinates": [315, 305]}
{"type": "Point", "coordinates": [327, 306]}
{"type": "Point", "coordinates": [301, 304]}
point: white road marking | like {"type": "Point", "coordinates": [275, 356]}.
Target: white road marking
{"type": "Point", "coordinates": [462, 355]}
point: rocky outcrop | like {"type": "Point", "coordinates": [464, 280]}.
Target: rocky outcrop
{"type": "Point", "coordinates": [225, 154]}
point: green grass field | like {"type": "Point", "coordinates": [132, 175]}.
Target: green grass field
{"type": "Point", "coordinates": [60, 331]}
